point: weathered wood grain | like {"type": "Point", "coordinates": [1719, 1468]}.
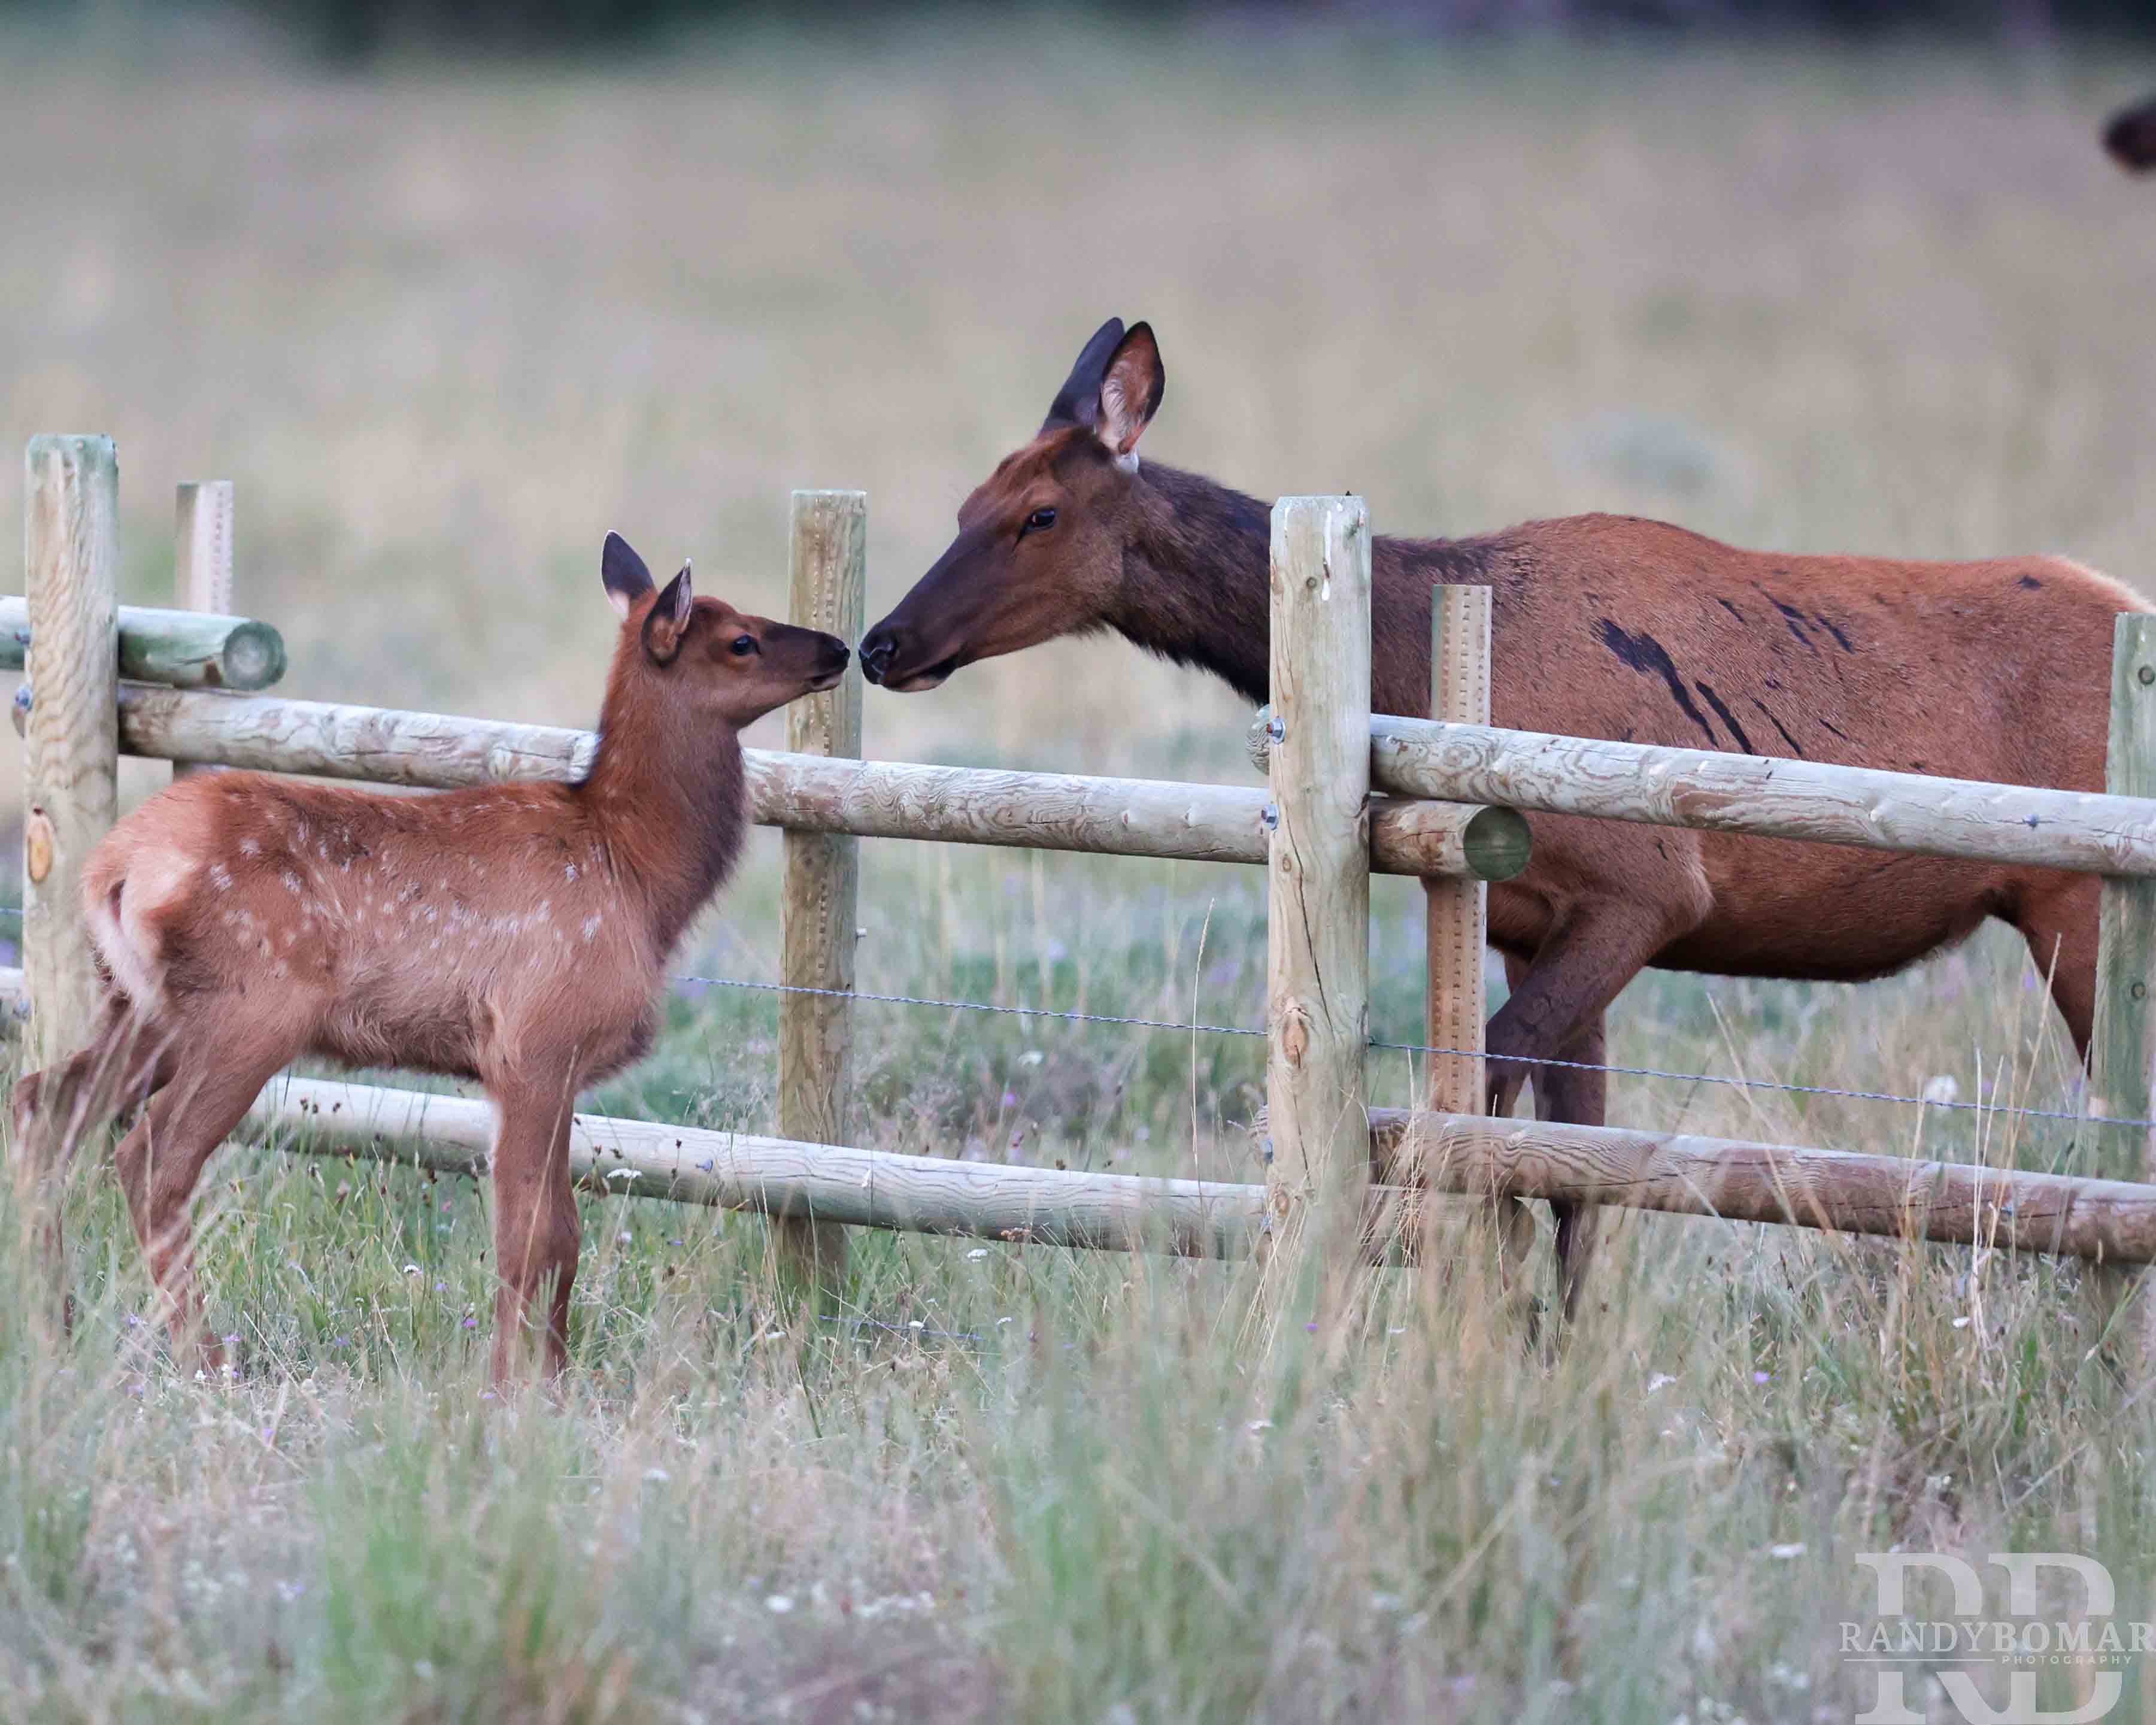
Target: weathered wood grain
{"type": "Point", "coordinates": [1456, 911]}
{"type": "Point", "coordinates": [872, 799]}
{"type": "Point", "coordinates": [2091, 831]}
{"type": "Point", "coordinates": [2126, 969]}
{"type": "Point", "coordinates": [2111, 1221]}
{"type": "Point", "coordinates": [2126, 962]}
{"type": "Point", "coordinates": [71, 753]}
{"type": "Point", "coordinates": [819, 897]}
{"type": "Point", "coordinates": [202, 570]}
{"type": "Point", "coordinates": [1317, 916]}
{"type": "Point", "coordinates": [865, 1188]}
{"type": "Point", "coordinates": [179, 648]}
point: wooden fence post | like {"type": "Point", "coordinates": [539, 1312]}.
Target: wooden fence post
{"type": "Point", "coordinates": [201, 568]}
{"type": "Point", "coordinates": [71, 737]}
{"type": "Point", "coordinates": [2126, 952]}
{"type": "Point", "coordinates": [1317, 939]}
{"type": "Point", "coordinates": [1457, 910]}
{"type": "Point", "coordinates": [820, 908]}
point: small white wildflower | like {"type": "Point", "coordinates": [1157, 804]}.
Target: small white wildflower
{"type": "Point", "coordinates": [978, 1253]}
{"type": "Point", "coordinates": [1260, 1425]}
{"type": "Point", "coordinates": [1658, 1381]}
{"type": "Point", "coordinates": [1943, 1088]}
{"type": "Point", "coordinates": [778, 1603]}
{"type": "Point", "coordinates": [657, 1475]}
{"type": "Point", "coordinates": [1031, 1057]}
{"type": "Point", "coordinates": [1783, 1553]}
{"type": "Point", "coordinates": [1962, 1322]}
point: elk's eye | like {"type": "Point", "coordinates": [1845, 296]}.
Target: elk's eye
{"type": "Point", "coordinates": [742, 646]}
{"type": "Point", "coordinates": [1040, 521]}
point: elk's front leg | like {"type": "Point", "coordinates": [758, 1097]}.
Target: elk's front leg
{"type": "Point", "coordinates": [536, 1230]}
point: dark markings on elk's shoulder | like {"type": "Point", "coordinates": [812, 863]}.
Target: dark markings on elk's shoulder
{"type": "Point", "coordinates": [1836, 729]}
{"type": "Point", "coordinates": [2030, 581]}
{"type": "Point", "coordinates": [1827, 623]}
{"type": "Point", "coordinates": [1795, 620]}
{"type": "Point", "coordinates": [1644, 653]}
{"type": "Point", "coordinates": [1795, 747]}
{"type": "Point", "coordinates": [1727, 718]}
{"type": "Point", "coordinates": [1731, 610]}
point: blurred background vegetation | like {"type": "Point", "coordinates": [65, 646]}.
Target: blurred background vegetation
{"type": "Point", "coordinates": [449, 292]}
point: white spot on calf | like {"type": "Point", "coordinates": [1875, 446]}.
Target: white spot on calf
{"type": "Point", "coordinates": [248, 847]}
{"type": "Point", "coordinates": [569, 873]}
{"type": "Point", "coordinates": [220, 877]}
{"type": "Point", "coordinates": [591, 924]}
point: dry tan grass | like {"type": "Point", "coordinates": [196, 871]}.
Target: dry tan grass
{"type": "Point", "coordinates": [446, 329]}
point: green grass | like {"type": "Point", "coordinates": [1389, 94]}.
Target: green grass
{"type": "Point", "coordinates": [445, 327]}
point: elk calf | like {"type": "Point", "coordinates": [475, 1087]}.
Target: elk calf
{"type": "Point", "coordinates": [514, 934]}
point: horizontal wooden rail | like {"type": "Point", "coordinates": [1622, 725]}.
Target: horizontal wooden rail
{"type": "Point", "coordinates": [872, 799]}
{"type": "Point", "coordinates": [2112, 1221]}
{"type": "Point", "coordinates": [184, 650]}
{"type": "Point", "coordinates": [867, 1189]}
{"type": "Point", "coordinates": [1766, 796]}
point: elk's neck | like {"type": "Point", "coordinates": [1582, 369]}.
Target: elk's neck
{"type": "Point", "coordinates": [1195, 587]}
{"type": "Point", "coordinates": [670, 802]}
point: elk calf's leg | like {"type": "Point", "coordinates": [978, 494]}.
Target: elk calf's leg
{"type": "Point", "coordinates": [162, 1156]}
{"type": "Point", "coordinates": [54, 1110]}
{"type": "Point", "coordinates": [536, 1230]}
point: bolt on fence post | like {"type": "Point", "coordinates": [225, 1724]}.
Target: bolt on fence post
{"type": "Point", "coordinates": [819, 909]}
{"type": "Point", "coordinates": [1319, 885]}
{"type": "Point", "coordinates": [202, 568]}
{"type": "Point", "coordinates": [71, 737]}
{"type": "Point", "coordinates": [2126, 951]}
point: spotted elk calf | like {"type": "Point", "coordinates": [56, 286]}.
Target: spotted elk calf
{"type": "Point", "coordinates": [514, 934]}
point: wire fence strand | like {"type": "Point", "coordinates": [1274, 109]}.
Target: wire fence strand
{"type": "Point", "coordinates": [1190, 1026]}
{"type": "Point", "coordinates": [1131, 1021]}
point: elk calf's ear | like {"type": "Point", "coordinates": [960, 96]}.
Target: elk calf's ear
{"type": "Point", "coordinates": [623, 571]}
{"type": "Point", "coordinates": [669, 620]}
{"type": "Point", "coordinates": [1131, 389]}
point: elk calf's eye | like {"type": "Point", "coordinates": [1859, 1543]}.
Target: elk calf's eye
{"type": "Point", "coordinates": [743, 645]}
{"type": "Point", "coordinates": [1039, 521]}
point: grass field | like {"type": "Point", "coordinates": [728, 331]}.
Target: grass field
{"type": "Point", "coordinates": [445, 329]}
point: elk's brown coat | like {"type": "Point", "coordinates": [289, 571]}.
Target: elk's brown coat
{"type": "Point", "coordinates": [1604, 626]}
{"type": "Point", "coordinates": [515, 935]}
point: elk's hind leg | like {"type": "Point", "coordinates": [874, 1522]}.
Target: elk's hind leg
{"type": "Point", "coordinates": [227, 1058]}
{"type": "Point", "coordinates": [536, 1230]}
{"type": "Point", "coordinates": [53, 1110]}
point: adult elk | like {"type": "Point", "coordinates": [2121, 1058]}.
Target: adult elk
{"type": "Point", "coordinates": [1605, 626]}
{"type": "Point", "coordinates": [514, 934]}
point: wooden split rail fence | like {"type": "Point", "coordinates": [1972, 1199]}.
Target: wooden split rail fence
{"type": "Point", "coordinates": [1349, 793]}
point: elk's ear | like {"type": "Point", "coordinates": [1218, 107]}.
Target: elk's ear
{"type": "Point", "coordinates": [626, 580]}
{"type": "Point", "coordinates": [668, 620]}
{"type": "Point", "coordinates": [2131, 138]}
{"type": "Point", "coordinates": [1078, 402]}
{"type": "Point", "coordinates": [1130, 392]}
